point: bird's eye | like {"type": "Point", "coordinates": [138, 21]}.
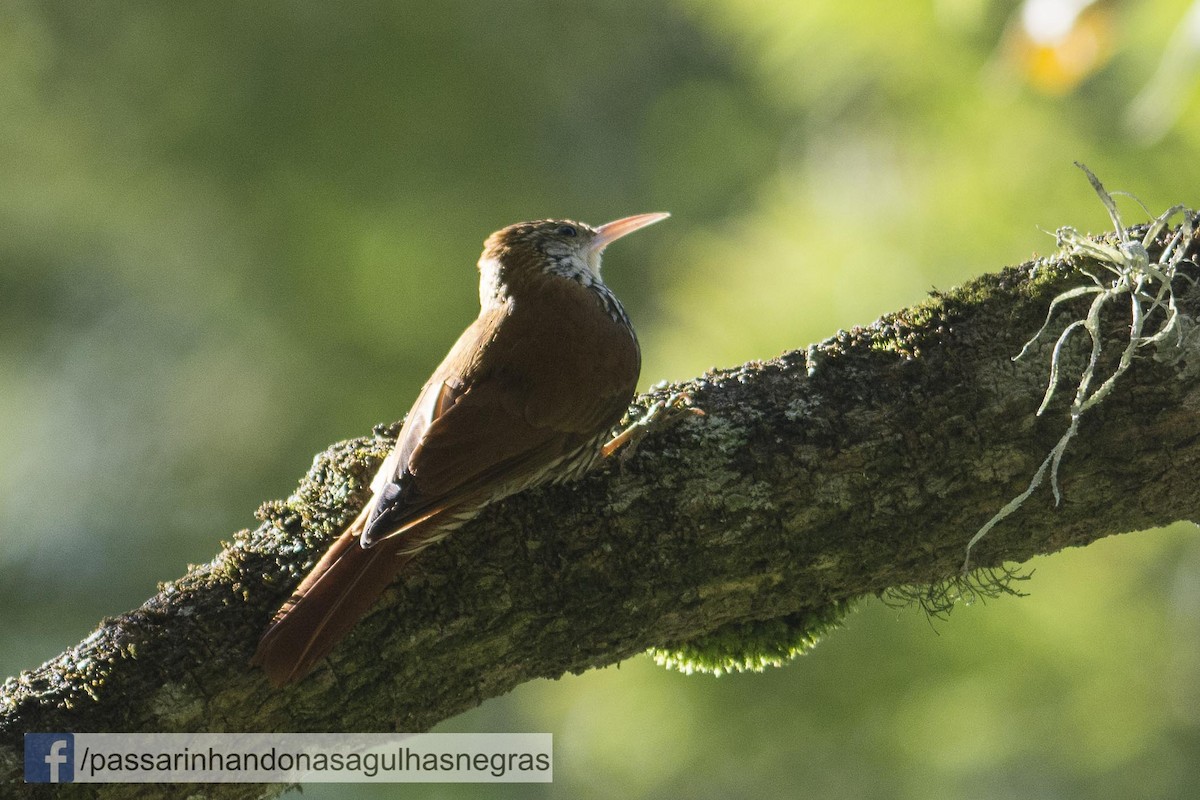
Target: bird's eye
{"type": "Point", "coordinates": [567, 230]}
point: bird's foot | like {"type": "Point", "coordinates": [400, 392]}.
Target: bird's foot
{"type": "Point", "coordinates": [661, 415]}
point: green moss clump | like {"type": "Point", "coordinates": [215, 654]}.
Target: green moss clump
{"type": "Point", "coordinates": [752, 646]}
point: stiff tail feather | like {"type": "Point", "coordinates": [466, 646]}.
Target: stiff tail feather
{"type": "Point", "coordinates": [338, 591]}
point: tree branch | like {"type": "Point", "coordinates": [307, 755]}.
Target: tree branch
{"type": "Point", "coordinates": [860, 465]}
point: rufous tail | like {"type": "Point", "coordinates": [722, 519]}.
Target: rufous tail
{"type": "Point", "coordinates": [330, 601]}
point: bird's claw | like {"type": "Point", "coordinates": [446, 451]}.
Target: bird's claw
{"type": "Point", "coordinates": [662, 414]}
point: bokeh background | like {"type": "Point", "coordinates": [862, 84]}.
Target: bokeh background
{"type": "Point", "coordinates": [232, 233]}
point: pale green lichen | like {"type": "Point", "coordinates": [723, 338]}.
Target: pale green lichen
{"type": "Point", "coordinates": [1154, 320]}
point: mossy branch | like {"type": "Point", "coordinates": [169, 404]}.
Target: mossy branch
{"type": "Point", "coordinates": [859, 466]}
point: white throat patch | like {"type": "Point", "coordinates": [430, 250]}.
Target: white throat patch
{"type": "Point", "coordinates": [490, 292]}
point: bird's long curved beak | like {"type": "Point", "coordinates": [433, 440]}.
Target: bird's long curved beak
{"type": "Point", "coordinates": [609, 232]}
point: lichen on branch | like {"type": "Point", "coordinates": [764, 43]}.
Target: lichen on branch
{"type": "Point", "coordinates": [1154, 319]}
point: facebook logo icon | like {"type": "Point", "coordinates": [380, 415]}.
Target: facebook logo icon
{"type": "Point", "coordinates": [49, 758]}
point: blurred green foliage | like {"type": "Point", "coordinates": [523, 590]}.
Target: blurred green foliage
{"type": "Point", "coordinates": [231, 233]}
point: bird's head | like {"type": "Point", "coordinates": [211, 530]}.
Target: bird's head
{"type": "Point", "coordinates": [551, 246]}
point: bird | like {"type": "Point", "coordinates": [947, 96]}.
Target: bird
{"type": "Point", "coordinates": [528, 395]}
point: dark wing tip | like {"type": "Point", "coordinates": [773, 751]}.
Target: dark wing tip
{"type": "Point", "coordinates": [387, 508]}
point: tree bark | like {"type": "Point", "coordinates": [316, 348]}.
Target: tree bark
{"type": "Point", "coordinates": [860, 465]}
